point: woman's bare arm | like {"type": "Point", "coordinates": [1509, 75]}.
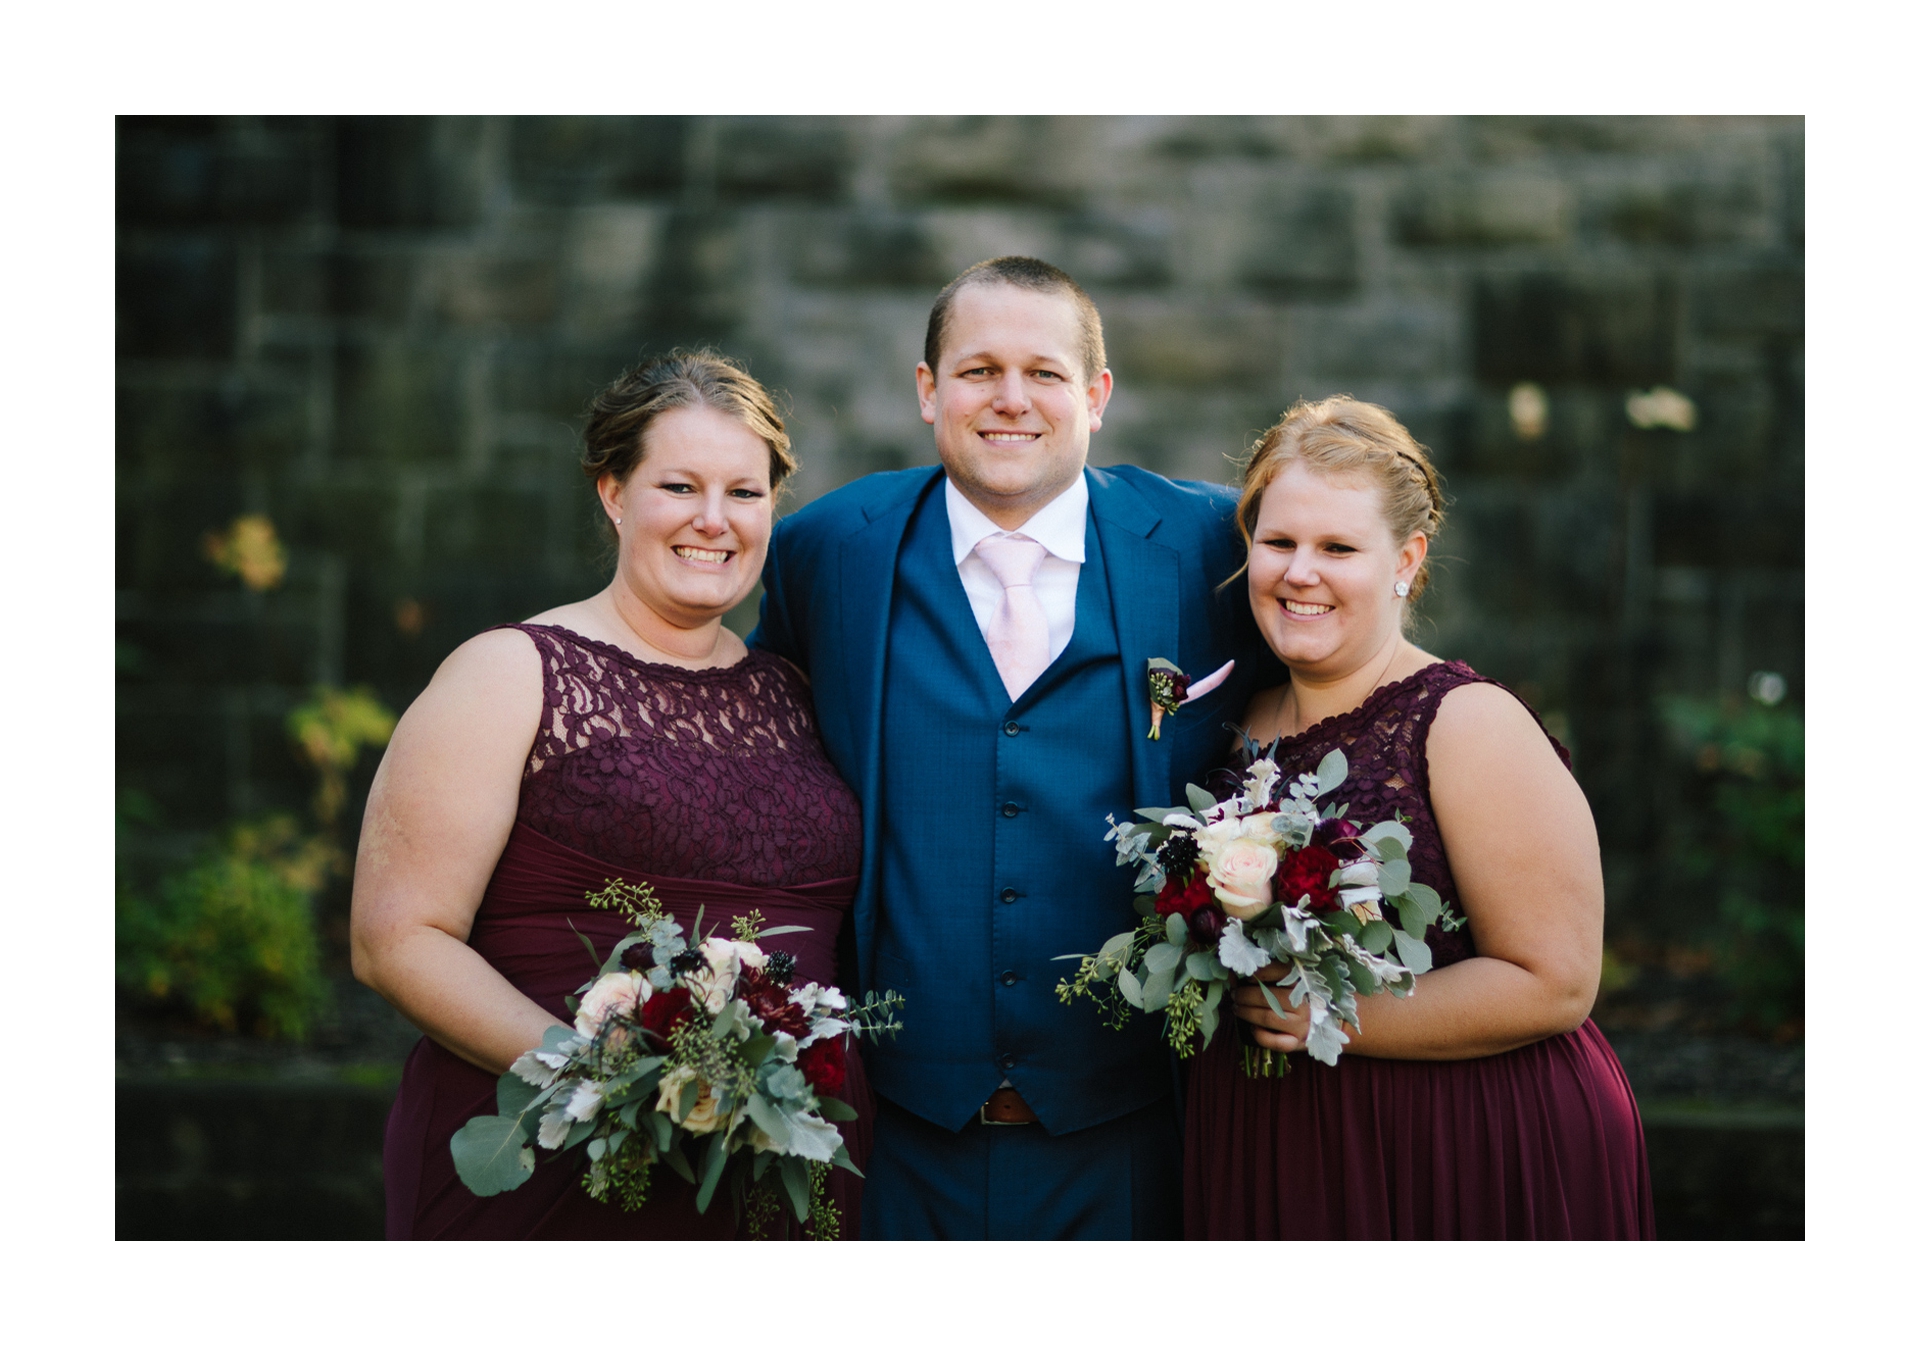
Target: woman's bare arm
{"type": "Point", "coordinates": [1526, 860]}
{"type": "Point", "coordinates": [438, 816]}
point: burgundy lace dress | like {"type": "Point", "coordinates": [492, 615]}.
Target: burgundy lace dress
{"type": "Point", "coordinates": [710, 785]}
{"type": "Point", "coordinates": [1539, 1142]}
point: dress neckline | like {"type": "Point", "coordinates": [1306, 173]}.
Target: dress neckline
{"type": "Point", "coordinates": [1373, 698]}
{"type": "Point", "coordinates": [634, 661]}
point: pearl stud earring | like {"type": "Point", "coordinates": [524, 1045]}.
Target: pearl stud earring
{"type": "Point", "coordinates": [1400, 589]}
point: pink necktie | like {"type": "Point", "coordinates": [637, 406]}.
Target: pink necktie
{"type": "Point", "coordinates": [1017, 635]}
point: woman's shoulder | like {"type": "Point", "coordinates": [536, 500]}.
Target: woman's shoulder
{"type": "Point", "coordinates": [1479, 717]}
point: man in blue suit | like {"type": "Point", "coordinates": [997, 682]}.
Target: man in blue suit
{"type": "Point", "coordinates": [977, 635]}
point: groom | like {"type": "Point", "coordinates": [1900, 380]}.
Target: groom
{"type": "Point", "coordinates": [977, 635]}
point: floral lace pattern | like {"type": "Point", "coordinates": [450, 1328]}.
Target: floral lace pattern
{"type": "Point", "coordinates": [1385, 741]}
{"type": "Point", "coordinates": [712, 774]}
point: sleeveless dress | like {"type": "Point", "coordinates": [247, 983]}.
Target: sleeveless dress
{"type": "Point", "coordinates": [713, 787]}
{"type": "Point", "coordinates": [1539, 1142]}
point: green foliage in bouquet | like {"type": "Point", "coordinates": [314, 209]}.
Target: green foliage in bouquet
{"type": "Point", "coordinates": [1744, 846]}
{"type": "Point", "coordinates": [231, 939]}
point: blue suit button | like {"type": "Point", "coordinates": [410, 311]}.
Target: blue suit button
{"type": "Point", "coordinates": [1009, 809]}
{"type": "Point", "coordinates": [1008, 895]}
{"type": "Point", "coordinates": [1009, 978]}
{"type": "Point", "coordinates": [1005, 1062]}
{"type": "Point", "coordinates": [1012, 728]}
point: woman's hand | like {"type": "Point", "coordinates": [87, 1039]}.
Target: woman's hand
{"type": "Point", "coordinates": [1286, 1030]}
{"type": "Point", "coordinates": [438, 816]}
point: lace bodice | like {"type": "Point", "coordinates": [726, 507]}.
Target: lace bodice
{"type": "Point", "coordinates": [1385, 741]}
{"type": "Point", "coordinates": [710, 774]}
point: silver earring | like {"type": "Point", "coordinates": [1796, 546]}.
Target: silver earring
{"type": "Point", "coordinates": [1400, 589]}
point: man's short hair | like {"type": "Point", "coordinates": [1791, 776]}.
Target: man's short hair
{"type": "Point", "coordinates": [1036, 275]}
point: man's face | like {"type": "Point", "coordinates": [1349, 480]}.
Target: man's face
{"type": "Point", "coordinates": [1011, 410]}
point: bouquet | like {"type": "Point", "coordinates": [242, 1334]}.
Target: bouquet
{"type": "Point", "coordinates": [691, 1052]}
{"type": "Point", "coordinates": [1228, 887]}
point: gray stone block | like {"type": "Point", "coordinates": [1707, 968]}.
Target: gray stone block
{"type": "Point", "coordinates": [1487, 208]}
{"type": "Point", "coordinates": [1616, 329]}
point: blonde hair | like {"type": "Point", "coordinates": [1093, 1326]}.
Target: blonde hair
{"type": "Point", "coordinates": [1344, 437]}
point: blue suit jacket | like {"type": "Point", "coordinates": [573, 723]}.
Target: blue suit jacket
{"type": "Point", "coordinates": [1167, 546]}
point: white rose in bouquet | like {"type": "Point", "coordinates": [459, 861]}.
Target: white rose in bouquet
{"type": "Point", "coordinates": [620, 992]}
{"type": "Point", "coordinates": [714, 985]}
{"type": "Point", "coordinates": [1242, 877]}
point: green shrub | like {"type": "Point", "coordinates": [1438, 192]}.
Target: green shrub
{"type": "Point", "coordinates": [1744, 846]}
{"type": "Point", "coordinates": [231, 939]}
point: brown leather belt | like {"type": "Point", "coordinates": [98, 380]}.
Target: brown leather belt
{"type": "Point", "coordinates": [1007, 1107]}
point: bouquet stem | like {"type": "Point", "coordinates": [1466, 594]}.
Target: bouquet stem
{"type": "Point", "coordinates": [1256, 1061]}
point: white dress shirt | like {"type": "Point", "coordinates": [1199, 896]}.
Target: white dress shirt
{"type": "Point", "coordinates": [1060, 526]}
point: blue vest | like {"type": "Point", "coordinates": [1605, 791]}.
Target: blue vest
{"type": "Point", "coordinates": [992, 861]}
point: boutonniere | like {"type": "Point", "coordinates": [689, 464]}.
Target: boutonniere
{"type": "Point", "coordinates": [1168, 686]}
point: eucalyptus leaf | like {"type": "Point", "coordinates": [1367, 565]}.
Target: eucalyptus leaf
{"type": "Point", "coordinates": [1176, 929]}
{"type": "Point", "coordinates": [1201, 799]}
{"type": "Point", "coordinates": [1377, 936]}
{"type": "Point", "coordinates": [580, 1131]}
{"type": "Point", "coordinates": [1129, 988]}
{"type": "Point", "coordinates": [783, 929]}
{"type": "Point", "coordinates": [1413, 952]}
{"type": "Point", "coordinates": [836, 1110]}
{"type": "Point", "coordinates": [676, 1159]}
{"type": "Point", "coordinates": [1389, 849]}
{"type": "Point", "coordinates": [1388, 828]}
{"type": "Point", "coordinates": [1427, 899]}
{"type": "Point", "coordinates": [710, 1174]}
{"type": "Point", "coordinates": [1156, 991]}
{"type": "Point", "coordinates": [1395, 876]}
{"type": "Point", "coordinates": [515, 1094]}
{"type": "Point", "coordinates": [1362, 980]}
{"type": "Point", "coordinates": [1272, 1002]}
{"type": "Point", "coordinates": [662, 1129]}
{"type": "Point", "coordinates": [487, 1154]}
{"type": "Point", "coordinates": [1342, 922]}
{"type": "Point", "coordinates": [793, 1176]}
{"type": "Point", "coordinates": [1163, 956]}
{"type": "Point", "coordinates": [1332, 770]}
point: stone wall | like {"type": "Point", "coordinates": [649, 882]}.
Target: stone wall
{"type": "Point", "coordinates": [381, 332]}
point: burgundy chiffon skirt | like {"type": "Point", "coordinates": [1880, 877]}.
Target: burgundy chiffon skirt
{"type": "Point", "coordinates": [1539, 1142]}
{"type": "Point", "coordinates": [526, 928]}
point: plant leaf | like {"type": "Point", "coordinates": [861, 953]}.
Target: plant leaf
{"type": "Point", "coordinates": [1377, 936]}
{"type": "Point", "coordinates": [1129, 988]}
{"type": "Point", "coordinates": [1201, 799]}
{"type": "Point", "coordinates": [1413, 952]}
{"type": "Point", "coordinates": [1163, 956]}
{"type": "Point", "coordinates": [1332, 770]}
{"type": "Point", "coordinates": [836, 1110]}
{"type": "Point", "coordinates": [488, 1153]}
{"type": "Point", "coordinates": [710, 1174]}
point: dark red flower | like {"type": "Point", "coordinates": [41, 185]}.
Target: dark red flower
{"type": "Point", "coordinates": [772, 1003]}
{"type": "Point", "coordinates": [824, 1063]}
{"type": "Point", "coordinates": [1206, 923]}
{"type": "Point", "coordinates": [1341, 837]}
{"type": "Point", "coordinates": [1306, 871]}
{"type": "Point", "coordinates": [1182, 899]}
{"type": "Point", "coordinates": [663, 1013]}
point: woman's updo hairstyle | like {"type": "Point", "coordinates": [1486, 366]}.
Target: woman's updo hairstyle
{"type": "Point", "coordinates": [1344, 438]}
{"type": "Point", "coordinates": [618, 418]}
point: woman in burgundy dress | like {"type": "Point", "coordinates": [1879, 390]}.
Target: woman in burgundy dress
{"type": "Point", "coordinates": [1487, 1104]}
{"type": "Point", "coordinates": [628, 736]}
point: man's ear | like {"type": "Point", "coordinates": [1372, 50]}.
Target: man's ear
{"type": "Point", "coordinates": [923, 379]}
{"type": "Point", "coordinates": [1098, 395]}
